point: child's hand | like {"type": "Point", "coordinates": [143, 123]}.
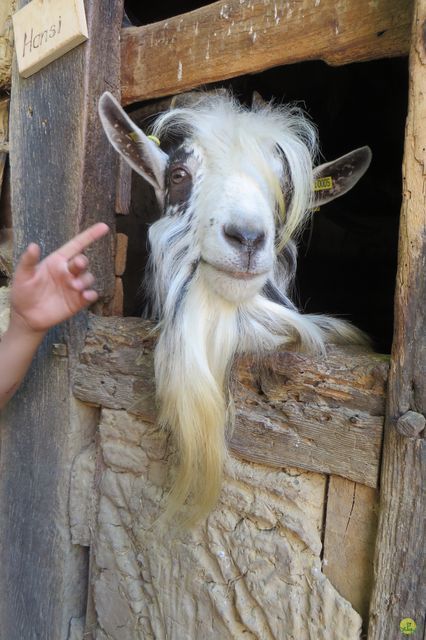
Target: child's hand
{"type": "Point", "coordinates": [47, 292]}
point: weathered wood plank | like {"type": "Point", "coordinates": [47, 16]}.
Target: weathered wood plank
{"type": "Point", "coordinates": [63, 179]}
{"type": "Point", "coordinates": [400, 587]}
{"type": "Point", "coordinates": [321, 415]}
{"type": "Point", "coordinates": [228, 39]}
{"type": "Point", "coordinates": [294, 410]}
{"type": "Point", "coordinates": [349, 537]}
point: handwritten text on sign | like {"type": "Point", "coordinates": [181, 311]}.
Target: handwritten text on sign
{"type": "Point", "coordinates": [45, 30]}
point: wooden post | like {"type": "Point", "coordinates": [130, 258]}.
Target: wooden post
{"type": "Point", "coordinates": [399, 590]}
{"type": "Point", "coordinates": [63, 177]}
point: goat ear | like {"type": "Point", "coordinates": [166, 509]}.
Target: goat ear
{"type": "Point", "coordinates": [141, 153]}
{"type": "Point", "coordinates": [335, 178]}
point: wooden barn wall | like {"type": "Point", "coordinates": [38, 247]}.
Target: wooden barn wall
{"type": "Point", "coordinates": [38, 553]}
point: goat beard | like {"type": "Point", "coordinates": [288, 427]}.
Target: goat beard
{"type": "Point", "coordinates": [192, 363]}
{"type": "Point", "coordinates": [193, 359]}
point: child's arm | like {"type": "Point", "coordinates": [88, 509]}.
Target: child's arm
{"type": "Point", "coordinates": [43, 294]}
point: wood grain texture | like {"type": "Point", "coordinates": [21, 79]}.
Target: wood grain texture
{"type": "Point", "coordinates": [228, 39]}
{"type": "Point", "coordinates": [400, 577]}
{"type": "Point", "coordinates": [349, 537]}
{"type": "Point", "coordinates": [291, 409]}
{"type": "Point", "coordinates": [63, 177]}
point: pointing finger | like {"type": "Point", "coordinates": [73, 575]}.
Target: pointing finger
{"type": "Point", "coordinates": [83, 240]}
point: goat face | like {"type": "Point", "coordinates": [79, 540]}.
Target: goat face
{"type": "Point", "coordinates": [232, 215]}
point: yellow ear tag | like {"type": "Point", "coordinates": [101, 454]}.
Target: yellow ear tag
{"type": "Point", "coordinates": [154, 139]}
{"type": "Point", "coordinates": [134, 136]}
{"type": "Point", "coordinates": [323, 184]}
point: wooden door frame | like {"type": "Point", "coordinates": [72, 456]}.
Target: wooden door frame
{"type": "Point", "coordinates": [37, 561]}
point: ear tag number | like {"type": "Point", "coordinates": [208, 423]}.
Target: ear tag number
{"type": "Point", "coordinates": [323, 184]}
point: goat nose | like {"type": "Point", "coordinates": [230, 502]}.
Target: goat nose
{"type": "Point", "coordinates": [249, 238]}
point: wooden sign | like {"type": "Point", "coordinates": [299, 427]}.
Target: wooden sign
{"type": "Point", "coordinates": [45, 30]}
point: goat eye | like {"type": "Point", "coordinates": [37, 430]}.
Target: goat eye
{"type": "Point", "coordinates": [178, 175]}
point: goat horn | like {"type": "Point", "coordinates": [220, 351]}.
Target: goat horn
{"type": "Point", "coordinates": [257, 102]}
{"type": "Point", "coordinates": [189, 98]}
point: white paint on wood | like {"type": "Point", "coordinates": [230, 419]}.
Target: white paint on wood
{"type": "Point", "coordinates": [45, 30]}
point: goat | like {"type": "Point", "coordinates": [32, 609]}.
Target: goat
{"type": "Point", "coordinates": [235, 186]}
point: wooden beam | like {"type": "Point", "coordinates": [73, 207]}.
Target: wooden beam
{"type": "Point", "coordinates": [293, 410]}
{"type": "Point", "coordinates": [228, 39]}
{"type": "Point", "coordinates": [400, 587]}
{"type": "Point", "coordinates": [63, 179]}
